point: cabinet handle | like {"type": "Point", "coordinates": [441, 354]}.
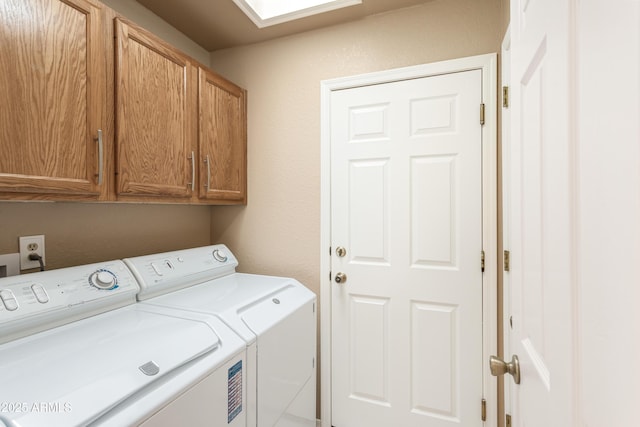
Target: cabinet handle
{"type": "Point", "coordinates": [208, 162]}
{"type": "Point", "coordinates": [100, 157]}
{"type": "Point", "coordinates": [193, 171]}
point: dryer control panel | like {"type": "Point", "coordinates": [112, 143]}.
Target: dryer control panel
{"type": "Point", "coordinates": [166, 272]}
{"type": "Point", "coordinates": [38, 301]}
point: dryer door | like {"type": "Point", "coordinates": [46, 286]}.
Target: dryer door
{"type": "Point", "coordinates": [285, 324]}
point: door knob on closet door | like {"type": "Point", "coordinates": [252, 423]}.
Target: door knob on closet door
{"type": "Point", "coordinates": [500, 367]}
{"type": "Point", "coordinates": [341, 278]}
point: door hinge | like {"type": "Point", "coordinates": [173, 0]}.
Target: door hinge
{"type": "Point", "coordinates": [505, 258]}
{"type": "Point", "coordinates": [482, 260]}
{"type": "Point", "coordinates": [505, 96]}
{"type": "Point", "coordinates": [484, 410]}
{"type": "Point", "coordinates": [507, 420]}
{"type": "Point", "coordinates": [482, 114]}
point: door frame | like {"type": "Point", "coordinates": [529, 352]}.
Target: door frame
{"type": "Point", "coordinates": [505, 191]}
{"type": "Point", "coordinates": [488, 65]}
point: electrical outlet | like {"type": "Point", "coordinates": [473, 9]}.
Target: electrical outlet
{"type": "Point", "coordinates": [31, 245]}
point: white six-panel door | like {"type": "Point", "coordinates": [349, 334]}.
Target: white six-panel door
{"type": "Point", "coordinates": [574, 233]}
{"type": "Point", "coordinates": [406, 205]}
{"type": "Point", "coordinates": [541, 213]}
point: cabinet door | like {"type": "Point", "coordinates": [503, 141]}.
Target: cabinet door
{"type": "Point", "coordinates": [52, 80]}
{"type": "Point", "coordinates": [155, 121]}
{"type": "Point", "coordinates": [222, 138]}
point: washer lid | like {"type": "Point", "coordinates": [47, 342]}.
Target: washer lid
{"type": "Point", "coordinates": [73, 374]}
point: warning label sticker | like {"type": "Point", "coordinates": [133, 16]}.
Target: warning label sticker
{"type": "Point", "coordinates": [234, 390]}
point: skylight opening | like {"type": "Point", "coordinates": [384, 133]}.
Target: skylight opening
{"type": "Point", "coordinates": [264, 13]}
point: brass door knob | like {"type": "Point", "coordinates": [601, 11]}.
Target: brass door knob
{"type": "Point", "coordinates": [341, 278]}
{"type": "Point", "coordinates": [500, 367]}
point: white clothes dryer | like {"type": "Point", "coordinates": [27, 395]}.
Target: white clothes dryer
{"type": "Point", "coordinates": [276, 316]}
{"type": "Point", "coordinates": [76, 350]}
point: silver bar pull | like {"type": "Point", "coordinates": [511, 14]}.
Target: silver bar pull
{"type": "Point", "coordinates": [100, 157]}
{"type": "Point", "coordinates": [208, 162]}
{"type": "Point", "coordinates": [193, 171]}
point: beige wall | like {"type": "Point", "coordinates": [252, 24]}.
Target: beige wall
{"type": "Point", "coordinates": [279, 230]}
{"type": "Point", "coordinates": [505, 17]}
{"type": "Point", "coordinates": [79, 233]}
{"type": "Point", "coordinates": [152, 22]}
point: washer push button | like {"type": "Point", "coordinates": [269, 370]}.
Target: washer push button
{"type": "Point", "coordinates": [40, 293]}
{"type": "Point", "coordinates": [9, 300]}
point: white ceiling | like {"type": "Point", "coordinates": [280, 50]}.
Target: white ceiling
{"type": "Point", "coordinates": [220, 24]}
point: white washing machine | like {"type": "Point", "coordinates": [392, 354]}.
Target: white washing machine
{"type": "Point", "coordinates": [276, 317]}
{"type": "Point", "coordinates": [76, 350]}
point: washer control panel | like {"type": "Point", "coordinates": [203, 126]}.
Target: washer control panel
{"type": "Point", "coordinates": [162, 273]}
{"type": "Point", "coordinates": [45, 299]}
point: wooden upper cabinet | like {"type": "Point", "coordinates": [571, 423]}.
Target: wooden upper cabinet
{"type": "Point", "coordinates": [222, 138]}
{"type": "Point", "coordinates": [177, 124]}
{"type": "Point", "coordinates": [155, 121]}
{"type": "Point", "coordinates": [52, 80]}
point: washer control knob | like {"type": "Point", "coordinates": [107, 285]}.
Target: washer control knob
{"type": "Point", "coordinates": [219, 255]}
{"type": "Point", "coordinates": [103, 279]}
